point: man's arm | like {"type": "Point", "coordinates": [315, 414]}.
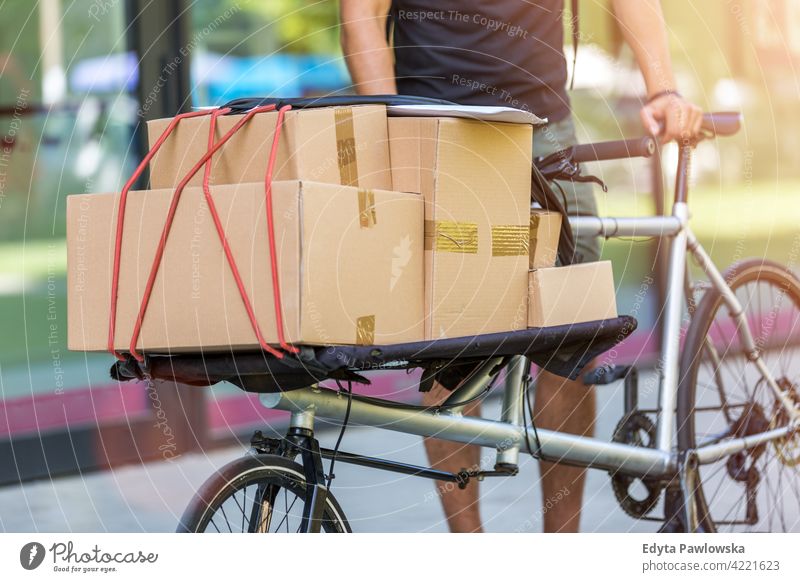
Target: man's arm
{"type": "Point", "coordinates": [366, 50]}
{"type": "Point", "coordinates": [644, 29]}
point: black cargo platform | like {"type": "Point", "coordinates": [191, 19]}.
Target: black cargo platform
{"type": "Point", "coordinates": [562, 350]}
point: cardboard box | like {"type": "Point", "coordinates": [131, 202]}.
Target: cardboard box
{"type": "Point", "coordinates": [572, 294]}
{"type": "Point", "coordinates": [475, 177]}
{"type": "Point", "coordinates": [350, 260]}
{"type": "Point", "coordinates": [545, 233]}
{"type": "Point", "coordinates": [335, 145]}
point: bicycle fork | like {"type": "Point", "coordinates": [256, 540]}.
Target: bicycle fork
{"type": "Point", "coordinates": [300, 439]}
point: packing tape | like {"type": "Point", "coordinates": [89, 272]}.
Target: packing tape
{"type": "Point", "coordinates": [510, 240]}
{"type": "Point", "coordinates": [447, 236]}
{"type": "Point", "coordinates": [346, 146]}
{"type": "Point", "coordinates": [367, 217]}
{"type": "Point", "coordinates": [365, 330]}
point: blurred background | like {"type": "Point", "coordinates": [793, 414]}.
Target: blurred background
{"type": "Point", "coordinates": [79, 77]}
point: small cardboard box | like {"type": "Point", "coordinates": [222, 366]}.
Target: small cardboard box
{"type": "Point", "coordinates": [475, 178]}
{"type": "Point", "coordinates": [350, 267]}
{"type": "Point", "coordinates": [335, 145]}
{"type": "Point", "coordinates": [571, 294]}
{"type": "Point", "coordinates": [545, 233]}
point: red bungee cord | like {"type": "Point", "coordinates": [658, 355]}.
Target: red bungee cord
{"type": "Point", "coordinates": [112, 320]}
{"type": "Point", "coordinates": [204, 161]}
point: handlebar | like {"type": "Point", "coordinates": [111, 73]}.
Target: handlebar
{"type": "Point", "coordinates": [722, 123]}
{"type": "Point", "coordinates": [642, 147]}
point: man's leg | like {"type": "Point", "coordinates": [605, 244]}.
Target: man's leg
{"type": "Point", "coordinates": [460, 505]}
{"type": "Point", "coordinates": [566, 406]}
{"type": "Point", "coordinates": [561, 404]}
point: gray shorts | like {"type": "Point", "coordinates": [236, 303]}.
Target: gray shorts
{"type": "Point", "coordinates": [580, 199]}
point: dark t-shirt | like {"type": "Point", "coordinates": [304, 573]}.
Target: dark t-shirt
{"type": "Point", "coordinates": [483, 52]}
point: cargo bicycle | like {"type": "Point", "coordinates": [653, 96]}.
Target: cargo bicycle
{"type": "Point", "coordinates": [721, 448]}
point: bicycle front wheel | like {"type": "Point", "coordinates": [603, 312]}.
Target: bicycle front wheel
{"type": "Point", "coordinates": [723, 395]}
{"type": "Point", "coordinates": [256, 494]}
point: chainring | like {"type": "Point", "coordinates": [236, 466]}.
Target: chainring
{"type": "Point", "coordinates": [629, 431]}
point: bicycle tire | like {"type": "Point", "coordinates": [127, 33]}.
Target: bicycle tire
{"type": "Point", "coordinates": [270, 470]}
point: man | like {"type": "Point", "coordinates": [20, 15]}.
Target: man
{"type": "Point", "coordinates": [512, 50]}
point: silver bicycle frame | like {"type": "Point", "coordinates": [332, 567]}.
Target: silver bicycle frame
{"type": "Point", "coordinates": [508, 435]}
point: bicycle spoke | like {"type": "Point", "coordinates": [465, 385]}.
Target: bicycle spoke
{"type": "Point", "coordinates": [780, 496]}
{"type": "Point", "coordinates": [244, 502]}
{"type": "Point", "coordinates": [228, 523]}
{"type": "Point", "coordinates": [287, 513]}
{"type": "Point", "coordinates": [285, 502]}
{"type": "Point", "coordinates": [215, 525]}
{"type": "Point", "coordinates": [241, 509]}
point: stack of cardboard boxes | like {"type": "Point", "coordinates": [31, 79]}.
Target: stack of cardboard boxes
{"type": "Point", "coordinates": [387, 230]}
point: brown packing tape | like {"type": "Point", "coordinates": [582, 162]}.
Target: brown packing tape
{"type": "Point", "coordinates": [510, 240]}
{"type": "Point", "coordinates": [365, 330]}
{"type": "Point", "coordinates": [367, 215]}
{"type": "Point", "coordinates": [446, 236]}
{"type": "Point", "coordinates": [346, 146]}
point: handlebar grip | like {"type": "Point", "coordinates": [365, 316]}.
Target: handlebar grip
{"type": "Point", "coordinates": [722, 123]}
{"type": "Point", "coordinates": [642, 147]}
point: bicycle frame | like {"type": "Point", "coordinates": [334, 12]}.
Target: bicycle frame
{"type": "Point", "coordinates": [508, 434]}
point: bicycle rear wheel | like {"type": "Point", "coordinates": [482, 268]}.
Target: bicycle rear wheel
{"type": "Point", "coordinates": [256, 494]}
{"type": "Point", "coordinates": [722, 394]}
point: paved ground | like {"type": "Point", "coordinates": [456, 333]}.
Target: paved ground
{"type": "Point", "coordinates": [151, 497]}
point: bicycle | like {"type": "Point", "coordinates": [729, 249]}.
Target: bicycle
{"type": "Point", "coordinates": [686, 454]}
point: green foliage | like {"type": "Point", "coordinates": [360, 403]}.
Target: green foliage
{"type": "Point", "coordinates": [258, 27]}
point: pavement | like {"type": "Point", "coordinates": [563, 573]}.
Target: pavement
{"type": "Point", "coordinates": [152, 496]}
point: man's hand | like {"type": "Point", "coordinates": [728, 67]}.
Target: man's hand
{"type": "Point", "coordinates": [671, 117]}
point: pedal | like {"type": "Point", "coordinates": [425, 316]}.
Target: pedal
{"type": "Point", "coordinates": [607, 374]}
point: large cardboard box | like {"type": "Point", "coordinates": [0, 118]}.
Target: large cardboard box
{"type": "Point", "coordinates": [475, 177]}
{"type": "Point", "coordinates": [350, 267]}
{"type": "Point", "coordinates": [545, 234]}
{"type": "Point", "coordinates": [335, 145]}
{"type": "Point", "coordinates": [571, 294]}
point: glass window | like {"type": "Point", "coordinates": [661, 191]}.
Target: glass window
{"type": "Point", "coordinates": [276, 48]}
{"type": "Point", "coordinates": [67, 114]}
